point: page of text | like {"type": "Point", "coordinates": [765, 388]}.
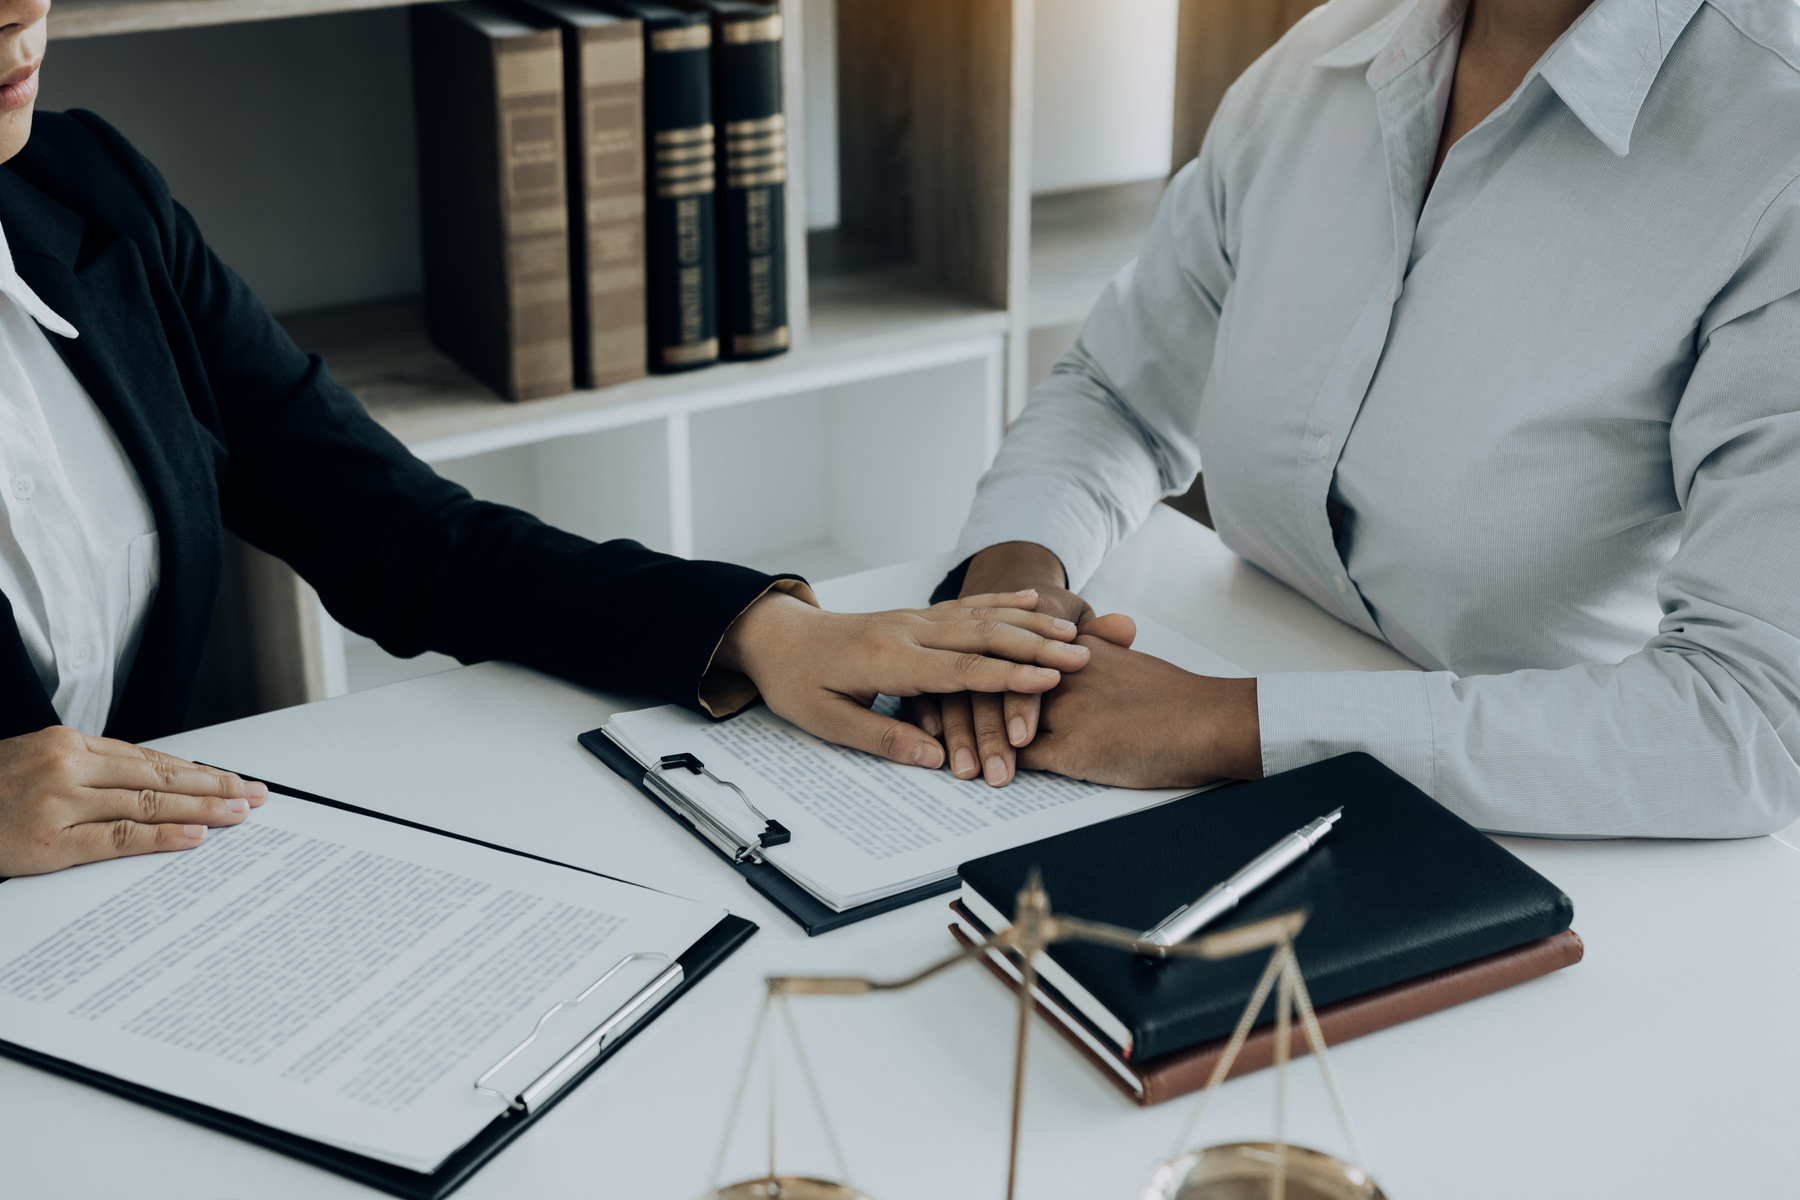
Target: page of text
{"type": "Point", "coordinates": [326, 973]}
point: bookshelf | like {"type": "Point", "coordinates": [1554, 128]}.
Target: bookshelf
{"type": "Point", "coordinates": [916, 321]}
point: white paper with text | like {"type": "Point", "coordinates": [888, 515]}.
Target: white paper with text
{"type": "Point", "coordinates": [325, 973]}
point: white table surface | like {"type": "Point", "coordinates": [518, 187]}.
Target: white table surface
{"type": "Point", "coordinates": [1665, 1064]}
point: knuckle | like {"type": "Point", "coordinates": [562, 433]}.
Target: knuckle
{"type": "Point", "coordinates": [967, 665]}
{"type": "Point", "coordinates": [149, 804]}
{"type": "Point", "coordinates": [119, 835]}
{"type": "Point", "coordinates": [889, 744]}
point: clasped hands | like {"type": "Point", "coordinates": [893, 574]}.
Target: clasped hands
{"type": "Point", "coordinates": [1126, 719]}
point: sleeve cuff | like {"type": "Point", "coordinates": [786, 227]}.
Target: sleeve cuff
{"type": "Point", "coordinates": [723, 693]}
{"type": "Point", "coordinates": [1078, 544]}
{"type": "Point", "coordinates": [1307, 717]}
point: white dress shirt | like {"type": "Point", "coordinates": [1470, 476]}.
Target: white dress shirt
{"type": "Point", "coordinates": [1558, 403]}
{"type": "Point", "coordinates": [78, 544]}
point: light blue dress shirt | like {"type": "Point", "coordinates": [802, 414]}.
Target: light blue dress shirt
{"type": "Point", "coordinates": [1557, 400]}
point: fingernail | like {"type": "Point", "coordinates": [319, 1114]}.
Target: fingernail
{"type": "Point", "coordinates": [1047, 671]}
{"type": "Point", "coordinates": [965, 762]}
{"type": "Point", "coordinates": [1027, 592]}
{"type": "Point", "coordinates": [194, 833]}
{"type": "Point", "coordinates": [1062, 626]}
{"type": "Point", "coordinates": [256, 791]}
{"type": "Point", "coordinates": [996, 770]}
{"type": "Point", "coordinates": [1079, 649]}
{"type": "Point", "coordinates": [927, 754]}
{"type": "Point", "coordinates": [1015, 728]}
{"type": "Point", "coordinates": [238, 805]}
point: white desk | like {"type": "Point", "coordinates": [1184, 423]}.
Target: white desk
{"type": "Point", "coordinates": [1666, 1064]}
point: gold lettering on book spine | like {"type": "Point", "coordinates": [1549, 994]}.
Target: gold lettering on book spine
{"type": "Point", "coordinates": [688, 37]}
{"type": "Point", "coordinates": [756, 152]}
{"type": "Point", "coordinates": [684, 161]}
{"type": "Point", "coordinates": [744, 33]}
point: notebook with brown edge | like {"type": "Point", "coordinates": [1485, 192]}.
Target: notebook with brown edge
{"type": "Point", "coordinates": [1180, 1072]}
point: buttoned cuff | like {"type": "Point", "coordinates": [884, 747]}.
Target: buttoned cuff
{"type": "Point", "coordinates": [722, 692]}
{"type": "Point", "coordinates": [1309, 716]}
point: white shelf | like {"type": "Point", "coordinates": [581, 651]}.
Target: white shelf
{"type": "Point", "coordinates": [876, 324]}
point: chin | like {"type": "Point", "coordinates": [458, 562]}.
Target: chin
{"type": "Point", "coordinates": [15, 131]}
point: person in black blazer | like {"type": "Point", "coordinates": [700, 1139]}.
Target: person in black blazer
{"type": "Point", "coordinates": [229, 425]}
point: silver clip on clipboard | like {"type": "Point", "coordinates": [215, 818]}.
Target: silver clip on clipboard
{"type": "Point", "coordinates": [563, 1071]}
{"type": "Point", "coordinates": [721, 835]}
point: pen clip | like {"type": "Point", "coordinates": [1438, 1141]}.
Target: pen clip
{"type": "Point", "coordinates": [597, 1039]}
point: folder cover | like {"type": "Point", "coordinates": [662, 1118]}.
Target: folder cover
{"type": "Point", "coordinates": [1402, 888]}
{"type": "Point", "coordinates": [697, 962]}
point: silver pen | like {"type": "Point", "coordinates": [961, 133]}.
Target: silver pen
{"type": "Point", "coordinates": [1181, 924]}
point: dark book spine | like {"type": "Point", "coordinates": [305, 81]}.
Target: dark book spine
{"type": "Point", "coordinates": [682, 252]}
{"type": "Point", "coordinates": [605, 77]}
{"type": "Point", "coordinates": [493, 209]}
{"type": "Point", "coordinates": [747, 104]}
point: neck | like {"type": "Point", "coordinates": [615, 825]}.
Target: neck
{"type": "Point", "coordinates": [1519, 31]}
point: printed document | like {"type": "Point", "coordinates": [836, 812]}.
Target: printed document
{"type": "Point", "coordinates": [327, 973]}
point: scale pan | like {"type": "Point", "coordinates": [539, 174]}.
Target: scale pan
{"type": "Point", "coordinates": [1243, 1170]}
{"type": "Point", "coordinates": [786, 1187]}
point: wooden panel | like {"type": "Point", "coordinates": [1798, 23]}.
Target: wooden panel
{"type": "Point", "coordinates": [1215, 41]}
{"type": "Point", "coordinates": [926, 135]}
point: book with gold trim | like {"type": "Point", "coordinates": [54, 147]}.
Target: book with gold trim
{"type": "Point", "coordinates": [752, 165]}
{"type": "Point", "coordinates": [494, 218]}
{"type": "Point", "coordinates": [681, 250]}
{"type": "Point", "coordinates": [603, 90]}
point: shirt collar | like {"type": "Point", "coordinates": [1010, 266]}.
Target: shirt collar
{"type": "Point", "coordinates": [22, 295]}
{"type": "Point", "coordinates": [1602, 68]}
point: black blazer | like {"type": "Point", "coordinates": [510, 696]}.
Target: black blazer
{"type": "Point", "coordinates": [231, 426]}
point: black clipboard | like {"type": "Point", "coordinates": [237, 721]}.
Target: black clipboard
{"type": "Point", "coordinates": [697, 962]}
{"type": "Point", "coordinates": [807, 910]}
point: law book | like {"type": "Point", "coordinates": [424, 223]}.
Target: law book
{"type": "Point", "coordinates": [1402, 888]}
{"type": "Point", "coordinates": [682, 247]}
{"type": "Point", "coordinates": [752, 168]}
{"type": "Point", "coordinates": [383, 1000]}
{"type": "Point", "coordinates": [1180, 1072]}
{"type": "Point", "coordinates": [603, 93]}
{"type": "Point", "coordinates": [853, 829]}
{"type": "Point", "coordinates": [493, 199]}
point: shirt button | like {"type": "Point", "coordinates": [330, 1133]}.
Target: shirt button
{"type": "Point", "coordinates": [84, 653]}
{"type": "Point", "coordinates": [1342, 587]}
{"type": "Point", "coordinates": [1324, 445]}
{"type": "Point", "coordinates": [24, 486]}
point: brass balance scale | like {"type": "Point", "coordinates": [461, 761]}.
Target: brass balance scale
{"type": "Point", "coordinates": [1228, 1171]}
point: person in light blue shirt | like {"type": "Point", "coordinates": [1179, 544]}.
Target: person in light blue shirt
{"type": "Point", "coordinates": [1484, 319]}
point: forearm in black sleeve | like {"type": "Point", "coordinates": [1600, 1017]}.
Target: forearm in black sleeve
{"type": "Point", "coordinates": [407, 558]}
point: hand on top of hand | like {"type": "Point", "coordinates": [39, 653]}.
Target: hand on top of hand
{"type": "Point", "coordinates": [821, 670]}
{"type": "Point", "coordinates": [983, 731]}
{"type": "Point", "coordinates": [68, 798]}
{"type": "Point", "coordinates": [1133, 720]}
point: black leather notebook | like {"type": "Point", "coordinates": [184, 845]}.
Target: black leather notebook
{"type": "Point", "coordinates": [697, 962]}
{"type": "Point", "coordinates": [1401, 887]}
{"type": "Point", "coordinates": [807, 910]}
